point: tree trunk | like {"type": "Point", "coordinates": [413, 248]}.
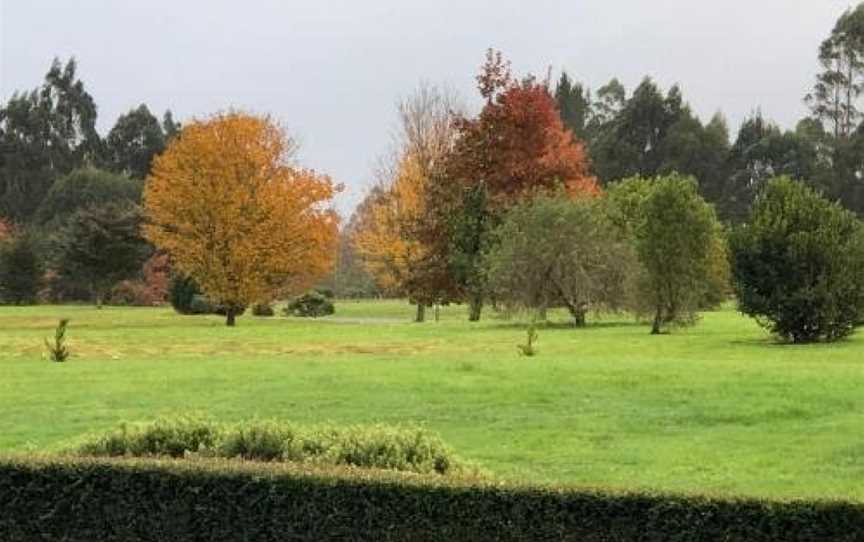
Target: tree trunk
{"type": "Point", "coordinates": [437, 311]}
{"type": "Point", "coordinates": [421, 313]}
{"type": "Point", "coordinates": [230, 317]}
{"type": "Point", "coordinates": [541, 314]}
{"type": "Point", "coordinates": [658, 317]}
{"type": "Point", "coordinates": [476, 307]}
{"type": "Point", "coordinates": [97, 294]}
{"type": "Point", "coordinates": [577, 311]}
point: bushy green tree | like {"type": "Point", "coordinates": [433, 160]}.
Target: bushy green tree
{"type": "Point", "coordinates": [556, 252]}
{"type": "Point", "coordinates": [797, 265]}
{"type": "Point", "coordinates": [86, 187]}
{"type": "Point", "coordinates": [20, 271]}
{"type": "Point", "coordinates": [101, 246]}
{"type": "Point", "coordinates": [674, 231]}
{"type": "Point", "coordinates": [181, 293]}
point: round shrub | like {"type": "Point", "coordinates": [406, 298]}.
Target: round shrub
{"type": "Point", "coordinates": [797, 266]}
{"type": "Point", "coordinates": [310, 305]}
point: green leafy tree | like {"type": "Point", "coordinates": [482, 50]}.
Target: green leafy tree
{"type": "Point", "coordinates": [574, 105]}
{"type": "Point", "coordinates": [762, 151]}
{"type": "Point", "coordinates": [610, 100]}
{"type": "Point", "coordinates": [797, 264]}
{"type": "Point", "coordinates": [557, 252]}
{"type": "Point", "coordinates": [134, 140]}
{"type": "Point", "coordinates": [841, 81]}
{"type": "Point", "coordinates": [631, 142]}
{"type": "Point", "coordinates": [697, 150]}
{"type": "Point", "coordinates": [674, 231]}
{"type": "Point", "coordinates": [20, 270]}
{"type": "Point", "coordinates": [43, 134]}
{"type": "Point", "coordinates": [86, 187]}
{"type": "Point", "coordinates": [101, 246]}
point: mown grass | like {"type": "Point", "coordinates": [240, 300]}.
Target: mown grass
{"type": "Point", "coordinates": [718, 408]}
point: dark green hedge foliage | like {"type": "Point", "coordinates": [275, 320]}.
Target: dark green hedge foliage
{"type": "Point", "coordinates": [149, 500]}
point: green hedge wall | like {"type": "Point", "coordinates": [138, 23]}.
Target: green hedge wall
{"type": "Point", "coordinates": [97, 500]}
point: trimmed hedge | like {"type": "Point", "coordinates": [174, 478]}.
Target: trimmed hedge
{"type": "Point", "coordinates": [139, 500]}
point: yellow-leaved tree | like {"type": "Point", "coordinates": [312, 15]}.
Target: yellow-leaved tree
{"type": "Point", "coordinates": [387, 233]}
{"type": "Point", "coordinates": [225, 202]}
{"type": "Point", "coordinates": [383, 238]}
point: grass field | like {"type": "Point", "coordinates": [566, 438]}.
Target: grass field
{"type": "Point", "coordinates": [717, 408]}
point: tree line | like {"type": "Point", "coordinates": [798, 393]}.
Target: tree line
{"type": "Point", "coordinates": [547, 197]}
{"type": "Point", "coordinates": [70, 199]}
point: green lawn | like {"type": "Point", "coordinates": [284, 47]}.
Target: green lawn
{"type": "Point", "coordinates": [717, 408]}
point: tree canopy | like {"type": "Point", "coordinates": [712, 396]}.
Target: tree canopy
{"type": "Point", "coordinates": [236, 215]}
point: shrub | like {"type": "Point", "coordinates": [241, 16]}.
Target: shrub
{"type": "Point", "coordinates": [97, 500]}
{"type": "Point", "coordinates": [528, 349]}
{"type": "Point", "coordinates": [312, 304]}
{"type": "Point", "coordinates": [262, 309]}
{"type": "Point", "coordinates": [181, 293]}
{"type": "Point", "coordinates": [397, 448]}
{"type": "Point", "coordinates": [173, 437]}
{"type": "Point", "coordinates": [797, 265]}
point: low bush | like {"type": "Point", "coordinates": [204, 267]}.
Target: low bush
{"type": "Point", "coordinates": [263, 309]}
{"type": "Point", "coordinates": [311, 305]}
{"type": "Point", "coordinates": [398, 448]}
{"type": "Point", "coordinates": [97, 500]}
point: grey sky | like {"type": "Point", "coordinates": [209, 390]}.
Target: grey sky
{"type": "Point", "coordinates": [331, 70]}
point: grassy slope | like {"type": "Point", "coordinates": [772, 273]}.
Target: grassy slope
{"type": "Point", "coordinates": [715, 408]}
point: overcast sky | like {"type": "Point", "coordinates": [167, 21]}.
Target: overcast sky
{"type": "Point", "coordinates": [332, 70]}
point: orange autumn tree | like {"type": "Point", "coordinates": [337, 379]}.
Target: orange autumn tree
{"type": "Point", "coordinates": [235, 215]}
